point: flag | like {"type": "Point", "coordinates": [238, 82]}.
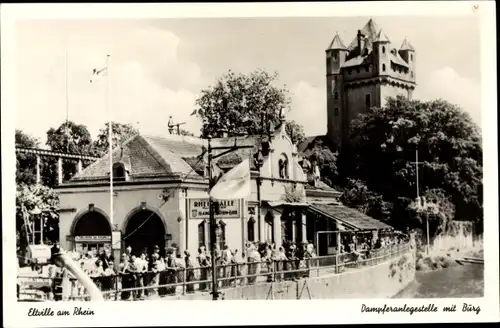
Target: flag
{"type": "Point", "coordinates": [193, 113]}
{"type": "Point", "coordinates": [97, 73]}
{"type": "Point", "coordinates": [235, 184]}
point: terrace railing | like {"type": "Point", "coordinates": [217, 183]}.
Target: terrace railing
{"type": "Point", "coordinates": [182, 281]}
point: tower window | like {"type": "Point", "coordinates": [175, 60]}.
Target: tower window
{"type": "Point", "coordinates": [383, 50]}
{"type": "Point", "coordinates": [383, 67]}
{"type": "Point", "coordinates": [368, 101]}
{"type": "Point", "coordinates": [333, 85]}
{"type": "Point", "coordinates": [411, 57]}
{"type": "Point", "coordinates": [357, 70]}
{"type": "Point", "coordinates": [411, 74]}
{"type": "Point", "coordinates": [349, 71]}
{"type": "Point", "coordinates": [336, 95]}
{"type": "Point", "coordinates": [367, 68]}
{"type": "Point", "coordinates": [334, 56]}
{"type": "Point", "coordinates": [336, 111]}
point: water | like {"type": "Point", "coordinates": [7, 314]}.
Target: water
{"type": "Point", "coordinates": [461, 281]}
{"type": "Point", "coordinates": [459, 235]}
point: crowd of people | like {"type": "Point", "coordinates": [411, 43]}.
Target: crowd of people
{"type": "Point", "coordinates": [156, 273]}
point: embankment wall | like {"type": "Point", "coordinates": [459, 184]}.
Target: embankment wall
{"type": "Point", "coordinates": [380, 281]}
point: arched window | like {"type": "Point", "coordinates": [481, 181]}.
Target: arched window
{"type": "Point", "coordinates": [283, 167]}
{"type": "Point", "coordinates": [201, 233]}
{"type": "Point", "coordinates": [336, 95]}
{"type": "Point", "coordinates": [383, 50]}
{"type": "Point", "coordinates": [251, 229]}
{"type": "Point", "coordinates": [119, 173]}
{"type": "Point", "coordinates": [383, 67]}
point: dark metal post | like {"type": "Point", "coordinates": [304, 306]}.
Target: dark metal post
{"type": "Point", "coordinates": [213, 237]}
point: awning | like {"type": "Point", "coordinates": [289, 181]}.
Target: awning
{"type": "Point", "coordinates": [349, 217]}
{"type": "Point", "coordinates": [286, 204]}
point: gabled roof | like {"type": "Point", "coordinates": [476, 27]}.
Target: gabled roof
{"type": "Point", "coordinates": [148, 157]}
{"type": "Point", "coordinates": [370, 32]}
{"type": "Point", "coordinates": [406, 45]}
{"type": "Point", "coordinates": [337, 44]}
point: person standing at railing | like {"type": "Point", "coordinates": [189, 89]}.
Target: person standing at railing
{"type": "Point", "coordinates": [171, 268]}
{"type": "Point", "coordinates": [236, 262]}
{"type": "Point", "coordinates": [268, 258]}
{"type": "Point", "coordinates": [226, 261]}
{"type": "Point", "coordinates": [157, 266]}
{"type": "Point", "coordinates": [124, 277]}
{"type": "Point", "coordinates": [189, 272]}
{"type": "Point", "coordinates": [202, 264]}
{"type": "Point", "coordinates": [280, 263]}
{"type": "Point", "coordinates": [181, 269]}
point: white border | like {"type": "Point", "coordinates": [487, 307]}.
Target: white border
{"type": "Point", "coordinates": [254, 312]}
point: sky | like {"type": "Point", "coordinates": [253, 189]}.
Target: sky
{"type": "Point", "coordinates": [158, 67]}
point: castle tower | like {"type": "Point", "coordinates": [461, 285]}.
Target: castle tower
{"type": "Point", "coordinates": [335, 57]}
{"type": "Point", "coordinates": [363, 76]}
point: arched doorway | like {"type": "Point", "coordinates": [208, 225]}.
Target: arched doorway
{"type": "Point", "coordinates": [92, 232]}
{"type": "Point", "coordinates": [144, 230]}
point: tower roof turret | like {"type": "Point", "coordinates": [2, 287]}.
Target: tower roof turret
{"type": "Point", "coordinates": [381, 37]}
{"type": "Point", "coordinates": [407, 46]}
{"type": "Point", "coordinates": [369, 31]}
{"type": "Point", "coordinates": [337, 43]}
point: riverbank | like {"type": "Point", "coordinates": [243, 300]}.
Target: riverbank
{"type": "Point", "coordinates": [444, 259]}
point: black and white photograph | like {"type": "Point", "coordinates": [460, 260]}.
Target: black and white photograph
{"type": "Point", "coordinates": [214, 153]}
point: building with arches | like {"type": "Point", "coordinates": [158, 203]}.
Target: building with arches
{"type": "Point", "coordinates": [363, 74]}
{"type": "Point", "coordinates": [160, 196]}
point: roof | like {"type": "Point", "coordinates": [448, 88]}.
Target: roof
{"type": "Point", "coordinates": [337, 44]}
{"type": "Point", "coordinates": [147, 156]}
{"type": "Point", "coordinates": [305, 148]}
{"type": "Point", "coordinates": [237, 156]}
{"type": "Point", "coordinates": [406, 45]}
{"type": "Point", "coordinates": [321, 186]}
{"type": "Point", "coordinates": [370, 32]}
{"type": "Point", "coordinates": [381, 37]}
{"type": "Point", "coordinates": [356, 61]}
{"type": "Point", "coordinates": [349, 216]}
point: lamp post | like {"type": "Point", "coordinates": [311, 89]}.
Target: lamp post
{"type": "Point", "coordinates": [259, 162]}
{"type": "Point", "coordinates": [212, 205]}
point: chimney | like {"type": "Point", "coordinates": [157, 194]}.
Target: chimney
{"type": "Point", "coordinates": [361, 41]}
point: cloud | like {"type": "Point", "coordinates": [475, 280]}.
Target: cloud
{"type": "Point", "coordinates": [309, 108]}
{"type": "Point", "coordinates": [147, 83]}
{"type": "Point", "coordinates": [447, 84]}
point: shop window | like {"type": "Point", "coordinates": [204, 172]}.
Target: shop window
{"type": "Point", "coordinates": [251, 229]}
{"type": "Point", "coordinates": [269, 227]}
{"type": "Point", "coordinates": [220, 234]}
{"type": "Point", "coordinates": [201, 233]}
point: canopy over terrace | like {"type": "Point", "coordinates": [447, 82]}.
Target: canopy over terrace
{"type": "Point", "coordinates": [322, 223]}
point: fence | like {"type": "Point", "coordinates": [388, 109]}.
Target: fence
{"type": "Point", "coordinates": [182, 281]}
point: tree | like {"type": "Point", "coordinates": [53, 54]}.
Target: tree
{"type": "Point", "coordinates": [121, 133]}
{"type": "Point", "coordinates": [320, 151]}
{"type": "Point", "coordinates": [69, 137]}
{"type": "Point", "coordinates": [383, 143]}
{"type": "Point", "coordinates": [295, 131]}
{"type": "Point", "coordinates": [25, 163]}
{"type": "Point", "coordinates": [34, 202]}
{"type": "Point", "coordinates": [237, 102]}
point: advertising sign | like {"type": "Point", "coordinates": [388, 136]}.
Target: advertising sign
{"type": "Point", "coordinates": [92, 238]}
{"type": "Point", "coordinates": [228, 209]}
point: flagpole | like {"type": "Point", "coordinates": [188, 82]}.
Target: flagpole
{"type": "Point", "coordinates": [110, 141]}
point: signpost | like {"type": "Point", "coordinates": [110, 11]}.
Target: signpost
{"type": "Point", "coordinates": [227, 209]}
